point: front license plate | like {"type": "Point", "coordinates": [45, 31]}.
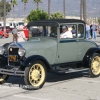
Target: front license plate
{"type": "Point", "coordinates": [12, 58]}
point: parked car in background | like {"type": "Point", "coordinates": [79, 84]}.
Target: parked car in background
{"type": "Point", "coordinates": [8, 30]}
{"type": "Point", "coordinates": [50, 52]}
{"type": "Point", "coordinates": [6, 35]}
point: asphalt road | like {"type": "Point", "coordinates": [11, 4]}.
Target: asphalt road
{"type": "Point", "coordinates": [71, 86]}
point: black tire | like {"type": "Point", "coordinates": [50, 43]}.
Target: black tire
{"type": "Point", "coordinates": [94, 70]}
{"type": "Point", "coordinates": [1, 36]}
{"type": "Point", "coordinates": [35, 75]}
{"type": "Point", "coordinates": [3, 78]}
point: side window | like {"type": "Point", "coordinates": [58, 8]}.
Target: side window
{"type": "Point", "coordinates": [80, 31]}
{"type": "Point", "coordinates": [68, 31]}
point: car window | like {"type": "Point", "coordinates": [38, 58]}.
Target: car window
{"type": "Point", "coordinates": [46, 31]}
{"type": "Point", "coordinates": [68, 31]}
{"type": "Point", "coordinates": [80, 31]}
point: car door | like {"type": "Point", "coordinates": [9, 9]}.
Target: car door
{"type": "Point", "coordinates": [67, 49]}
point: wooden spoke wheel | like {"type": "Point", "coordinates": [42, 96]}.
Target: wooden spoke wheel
{"type": "Point", "coordinates": [35, 75]}
{"type": "Point", "coordinates": [3, 78]}
{"type": "Point", "coordinates": [95, 66]}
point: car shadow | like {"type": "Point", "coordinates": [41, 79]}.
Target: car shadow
{"type": "Point", "coordinates": [51, 77]}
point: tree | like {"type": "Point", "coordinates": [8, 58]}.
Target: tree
{"type": "Point", "coordinates": [25, 1]}
{"type": "Point", "coordinates": [57, 15]}
{"type": "Point", "coordinates": [37, 15]}
{"type": "Point", "coordinates": [49, 8]}
{"type": "Point", "coordinates": [64, 8]}
{"type": "Point", "coordinates": [8, 8]}
{"type": "Point", "coordinates": [99, 20]}
{"type": "Point", "coordinates": [37, 2]}
{"type": "Point", "coordinates": [13, 3]}
{"type": "Point", "coordinates": [84, 10]}
{"type": "Point", "coordinates": [81, 9]}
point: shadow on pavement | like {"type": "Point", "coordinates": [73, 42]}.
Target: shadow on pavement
{"type": "Point", "coordinates": [51, 77]}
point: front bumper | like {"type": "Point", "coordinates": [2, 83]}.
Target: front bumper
{"type": "Point", "coordinates": [12, 72]}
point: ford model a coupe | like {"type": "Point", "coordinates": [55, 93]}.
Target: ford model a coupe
{"type": "Point", "coordinates": [53, 50]}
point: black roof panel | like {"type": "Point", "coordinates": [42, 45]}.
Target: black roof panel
{"type": "Point", "coordinates": [53, 22]}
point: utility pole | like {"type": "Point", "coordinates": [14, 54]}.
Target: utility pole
{"type": "Point", "coordinates": [84, 11]}
{"type": "Point", "coordinates": [64, 8]}
{"type": "Point", "coordinates": [4, 16]}
{"type": "Point", "coordinates": [81, 9]}
{"type": "Point", "coordinates": [49, 8]}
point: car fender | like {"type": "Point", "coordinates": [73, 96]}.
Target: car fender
{"type": "Point", "coordinates": [88, 56]}
{"type": "Point", "coordinates": [30, 60]}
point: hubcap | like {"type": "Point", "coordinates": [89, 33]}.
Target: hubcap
{"type": "Point", "coordinates": [36, 75]}
{"type": "Point", "coordinates": [96, 65]}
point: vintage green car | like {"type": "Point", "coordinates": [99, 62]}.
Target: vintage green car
{"type": "Point", "coordinates": [50, 52]}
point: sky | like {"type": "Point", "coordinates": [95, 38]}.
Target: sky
{"type": "Point", "coordinates": [72, 7]}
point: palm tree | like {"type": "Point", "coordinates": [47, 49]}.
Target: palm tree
{"type": "Point", "coordinates": [84, 10]}
{"type": "Point", "coordinates": [13, 3]}
{"type": "Point", "coordinates": [37, 2]}
{"type": "Point", "coordinates": [64, 8]}
{"type": "Point", "coordinates": [81, 9]}
{"type": "Point", "coordinates": [24, 1]}
{"type": "Point", "coordinates": [49, 8]}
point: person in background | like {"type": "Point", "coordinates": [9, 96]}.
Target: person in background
{"type": "Point", "coordinates": [94, 29]}
{"type": "Point", "coordinates": [65, 33]}
{"type": "Point", "coordinates": [91, 30]}
{"type": "Point", "coordinates": [87, 31]}
{"type": "Point", "coordinates": [26, 32]}
{"type": "Point", "coordinates": [14, 32]}
{"type": "Point", "coordinates": [21, 35]}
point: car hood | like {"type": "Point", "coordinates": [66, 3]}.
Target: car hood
{"type": "Point", "coordinates": [38, 45]}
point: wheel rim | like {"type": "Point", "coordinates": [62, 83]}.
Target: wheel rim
{"type": "Point", "coordinates": [2, 77]}
{"type": "Point", "coordinates": [36, 75]}
{"type": "Point", "coordinates": [96, 65]}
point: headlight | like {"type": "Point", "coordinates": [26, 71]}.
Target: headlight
{"type": "Point", "coordinates": [2, 50]}
{"type": "Point", "coordinates": [21, 52]}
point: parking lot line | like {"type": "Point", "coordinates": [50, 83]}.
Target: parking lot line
{"type": "Point", "coordinates": [29, 97]}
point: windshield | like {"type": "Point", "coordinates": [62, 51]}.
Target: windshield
{"type": "Point", "coordinates": [46, 31]}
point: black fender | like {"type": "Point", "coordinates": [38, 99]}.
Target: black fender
{"type": "Point", "coordinates": [3, 61]}
{"type": "Point", "coordinates": [88, 56]}
{"type": "Point", "coordinates": [30, 60]}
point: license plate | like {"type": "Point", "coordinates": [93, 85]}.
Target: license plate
{"type": "Point", "coordinates": [12, 58]}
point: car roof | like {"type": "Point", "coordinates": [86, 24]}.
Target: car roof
{"type": "Point", "coordinates": [53, 22]}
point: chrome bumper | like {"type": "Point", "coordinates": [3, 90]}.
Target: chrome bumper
{"type": "Point", "coordinates": [12, 72]}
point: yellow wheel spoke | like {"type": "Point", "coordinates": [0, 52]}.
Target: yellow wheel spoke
{"type": "Point", "coordinates": [95, 66]}
{"type": "Point", "coordinates": [36, 74]}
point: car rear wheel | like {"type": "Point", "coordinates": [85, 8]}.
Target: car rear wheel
{"type": "Point", "coordinates": [94, 70]}
{"type": "Point", "coordinates": [3, 78]}
{"type": "Point", "coordinates": [35, 75]}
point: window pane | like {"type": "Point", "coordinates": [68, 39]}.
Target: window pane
{"type": "Point", "coordinates": [80, 31]}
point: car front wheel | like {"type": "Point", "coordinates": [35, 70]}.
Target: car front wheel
{"type": "Point", "coordinates": [35, 75]}
{"type": "Point", "coordinates": [3, 78]}
{"type": "Point", "coordinates": [94, 70]}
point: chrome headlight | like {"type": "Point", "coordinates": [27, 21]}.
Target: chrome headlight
{"type": "Point", "coordinates": [21, 52]}
{"type": "Point", "coordinates": [2, 50]}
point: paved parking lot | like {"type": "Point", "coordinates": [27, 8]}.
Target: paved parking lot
{"type": "Point", "coordinates": [71, 86]}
